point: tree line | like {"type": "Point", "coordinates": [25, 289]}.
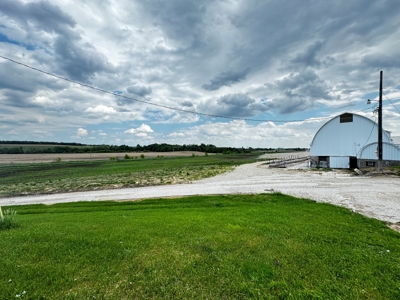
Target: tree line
{"type": "Point", "coordinates": [46, 147]}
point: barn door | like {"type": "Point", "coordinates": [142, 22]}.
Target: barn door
{"type": "Point", "coordinates": [353, 162]}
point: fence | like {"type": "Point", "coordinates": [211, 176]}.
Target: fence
{"type": "Point", "coordinates": [282, 162]}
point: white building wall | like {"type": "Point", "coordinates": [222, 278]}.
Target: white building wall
{"type": "Point", "coordinates": [345, 139]}
{"type": "Point", "coordinates": [389, 151]}
{"type": "Point", "coordinates": [339, 162]}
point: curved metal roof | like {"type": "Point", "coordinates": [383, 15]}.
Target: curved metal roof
{"type": "Point", "coordinates": [338, 116]}
{"type": "Point", "coordinates": [390, 151]}
{"type": "Point", "coordinates": [345, 135]}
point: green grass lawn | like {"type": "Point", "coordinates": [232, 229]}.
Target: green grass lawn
{"type": "Point", "coordinates": [268, 246]}
{"type": "Point", "coordinates": [24, 179]}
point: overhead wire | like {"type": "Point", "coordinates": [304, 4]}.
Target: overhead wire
{"type": "Point", "coordinates": [160, 105]}
{"type": "Point", "coordinates": [373, 126]}
{"type": "Point", "coordinates": [391, 102]}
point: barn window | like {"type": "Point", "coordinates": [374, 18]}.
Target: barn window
{"type": "Point", "coordinates": [346, 118]}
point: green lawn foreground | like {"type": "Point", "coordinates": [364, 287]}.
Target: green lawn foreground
{"type": "Point", "coordinates": [58, 177]}
{"type": "Point", "coordinates": [268, 246]}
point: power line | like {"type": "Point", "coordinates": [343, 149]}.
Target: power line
{"type": "Point", "coordinates": [391, 102]}
{"type": "Point", "coordinates": [370, 132]}
{"type": "Point", "coordinates": [155, 104]}
{"type": "Point", "coordinates": [142, 101]}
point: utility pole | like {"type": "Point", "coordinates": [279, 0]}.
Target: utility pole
{"type": "Point", "coordinates": [380, 156]}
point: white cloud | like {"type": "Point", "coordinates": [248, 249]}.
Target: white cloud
{"type": "Point", "coordinates": [81, 132]}
{"type": "Point", "coordinates": [141, 134]}
{"type": "Point", "coordinates": [181, 118]}
{"type": "Point", "coordinates": [176, 134]}
{"type": "Point", "coordinates": [101, 109]}
{"type": "Point", "coordinates": [241, 134]}
{"type": "Point", "coordinates": [141, 131]}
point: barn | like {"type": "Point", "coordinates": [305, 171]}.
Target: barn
{"type": "Point", "coordinates": [350, 141]}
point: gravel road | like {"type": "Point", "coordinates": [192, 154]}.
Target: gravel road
{"type": "Point", "coordinates": [377, 197]}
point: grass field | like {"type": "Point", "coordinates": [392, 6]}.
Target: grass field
{"type": "Point", "coordinates": [38, 178]}
{"type": "Point", "coordinates": [216, 247]}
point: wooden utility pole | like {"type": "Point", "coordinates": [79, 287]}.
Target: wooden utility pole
{"type": "Point", "coordinates": [380, 156]}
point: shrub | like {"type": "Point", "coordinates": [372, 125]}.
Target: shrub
{"type": "Point", "coordinates": [142, 156]}
{"type": "Point", "coordinates": [58, 159]}
{"type": "Point", "coordinates": [127, 156]}
{"type": "Point", "coordinates": [112, 158]}
{"type": "Point", "coordinates": [7, 219]}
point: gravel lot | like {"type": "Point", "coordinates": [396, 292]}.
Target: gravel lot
{"type": "Point", "coordinates": [373, 196]}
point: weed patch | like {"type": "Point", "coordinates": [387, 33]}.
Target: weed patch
{"type": "Point", "coordinates": [8, 219]}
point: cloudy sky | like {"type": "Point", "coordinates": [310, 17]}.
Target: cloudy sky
{"type": "Point", "coordinates": [265, 73]}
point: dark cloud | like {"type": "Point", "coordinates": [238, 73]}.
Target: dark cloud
{"type": "Point", "coordinates": [187, 104]}
{"type": "Point", "coordinates": [234, 105]}
{"type": "Point", "coordinates": [141, 91]}
{"type": "Point", "coordinates": [268, 29]}
{"type": "Point", "coordinates": [18, 98]}
{"type": "Point", "coordinates": [181, 20]}
{"type": "Point", "coordinates": [354, 19]}
{"type": "Point", "coordinates": [19, 81]}
{"type": "Point", "coordinates": [276, 31]}
{"type": "Point", "coordinates": [296, 80]}
{"type": "Point", "coordinates": [290, 103]}
{"type": "Point", "coordinates": [135, 90]}
{"type": "Point", "coordinates": [80, 60]}
{"type": "Point", "coordinates": [344, 88]}
{"type": "Point", "coordinates": [301, 91]}
{"type": "Point", "coordinates": [308, 57]}
{"type": "Point", "coordinates": [19, 89]}
{"type": "Point", "coordinates": [379, 60]}
{"type": "Point", "coordinates": [226, 78]}
{"type": "Point", "coordinates": [42, 14]}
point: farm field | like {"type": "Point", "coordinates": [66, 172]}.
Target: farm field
{"type": "Point", "coordinates": [52, 157]}
{"type": "Point", "coordinates": [267, 246]}
{"type": "Point", "coordinates": [85, 175]}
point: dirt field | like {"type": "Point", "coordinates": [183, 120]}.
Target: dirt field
{"type": "Point", "coordinates": [51, 157]}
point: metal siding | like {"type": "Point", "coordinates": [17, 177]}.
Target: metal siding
{"type": "Point", "coordinates": [345, 139]}
{"type": "Point", "coordinates": [339, 162]}
{"type": "Point", "coordinates": [389, 151]}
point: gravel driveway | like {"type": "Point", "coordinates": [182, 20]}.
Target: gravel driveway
{"type": "Point", "coordinates": [377, 197]}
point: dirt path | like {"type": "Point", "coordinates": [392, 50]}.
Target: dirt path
{"type": "Point", "coordinates": [377, 197]}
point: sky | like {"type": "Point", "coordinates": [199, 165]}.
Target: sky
{"type": "Point", "coordinates": [233, 73]}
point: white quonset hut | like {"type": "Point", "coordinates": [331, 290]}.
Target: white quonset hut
{"type": "Point", "coordinates": [350, 141]}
